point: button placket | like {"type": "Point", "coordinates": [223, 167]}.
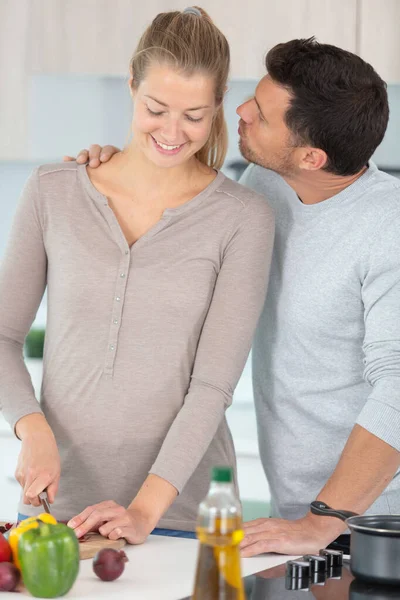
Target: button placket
{"type": "Point", "coordinates": [116, 315]}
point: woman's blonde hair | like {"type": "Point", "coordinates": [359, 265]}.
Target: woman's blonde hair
{"type": "Point", "coordinates": [190, 43]}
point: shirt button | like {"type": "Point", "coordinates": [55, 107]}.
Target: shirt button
{"type": "Point", "coordinates": [115, 322]}
{"type": "Point", "coordinates": [126, 251]}
{"type": "Point", "coordinates": [112, 347]}
{"type": "Point", "coordinates": [118, 298]}
{"type": "Point", "coordinates": [122, 275]}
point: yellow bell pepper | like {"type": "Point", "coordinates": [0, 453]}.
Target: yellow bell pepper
{"type": "Point", "coordinates": [16, 532]}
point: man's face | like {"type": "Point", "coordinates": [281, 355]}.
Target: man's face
{"type": "Point", "coordinates": [264, 137]}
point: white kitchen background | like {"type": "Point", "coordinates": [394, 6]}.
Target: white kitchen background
{"type": "Point", "coordinates": [64, 86]}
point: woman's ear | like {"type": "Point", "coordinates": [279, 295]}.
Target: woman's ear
{"type": "Point", "coordinates": [131, 82]}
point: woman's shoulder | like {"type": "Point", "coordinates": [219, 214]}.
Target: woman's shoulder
{"type": "Point", "coordinates": [61, 180]}
{"type": "Point", "coordinates": [58, 171]}
{"type": "Point", "coordinates": [57, 185]}
{"type": "Point", "coordinates": [246, 197]}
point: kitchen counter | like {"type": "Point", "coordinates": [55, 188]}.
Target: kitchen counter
{"type": "Point", "coordinates": [161, 569]}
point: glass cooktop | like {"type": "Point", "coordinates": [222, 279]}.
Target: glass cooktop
{"type": "Point", "coordinates": [273, 584]}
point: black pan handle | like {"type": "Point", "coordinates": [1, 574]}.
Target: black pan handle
{"type": "Point", "coordinates": [322, 509]}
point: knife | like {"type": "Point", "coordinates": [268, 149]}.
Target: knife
{"type": "Point", "coordinates": [44, 499]}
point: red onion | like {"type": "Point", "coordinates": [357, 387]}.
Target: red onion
{"type": "Point", "coordinates": [108, 564]}
{"type": "Point", "coordinates": [9, 577]}
{"type": "Point", "coordinates": [5, 549]}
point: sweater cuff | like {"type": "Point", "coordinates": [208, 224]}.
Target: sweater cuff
{"type": "Point", "coordinates": [381, 420]}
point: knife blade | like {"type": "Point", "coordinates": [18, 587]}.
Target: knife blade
{"type": "Point", "coordinates": [44, 499]}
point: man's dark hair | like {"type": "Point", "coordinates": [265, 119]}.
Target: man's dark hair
{"type": "Point", "coordinates": [339, 103]}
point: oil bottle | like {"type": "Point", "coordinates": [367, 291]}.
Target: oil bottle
{"type": "Point", "coordinates": [219, 530]}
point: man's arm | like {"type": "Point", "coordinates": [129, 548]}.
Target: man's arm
{"type": "Point", "coordinates": [371, 455]}
{"type": "Point", "coordinates": [365, 468]}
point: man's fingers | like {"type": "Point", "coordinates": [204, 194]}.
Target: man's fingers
{"type": "Point", "coordinates": [258, 525]}
{"type": "Point", "coordinates": [261, 533]}
{"type": "Point", "coordinates": [83, 157]}
{"type": "Point", "coordinates": [254, 523]}
{"type": "Point", "coordinates": [252, 538]}
{"type": "Point", "coordinates": [261, 547]}
{"type": "Point", "coordinates": [107, 152]}
{"type": "Point", "coordinates": [94, 155]}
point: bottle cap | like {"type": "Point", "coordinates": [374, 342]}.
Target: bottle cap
{"type": "Point", "coordinates": [222, 474]}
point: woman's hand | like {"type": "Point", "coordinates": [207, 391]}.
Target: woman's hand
{"type": "Point", "coordinates": [113, 521]}
{"type": "Point", "coordinates": [94, 156]}
{"type": "Point", "coordinates": [38, 466]}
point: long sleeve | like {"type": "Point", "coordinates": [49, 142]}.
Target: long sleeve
{"type": "Point", "coordinates": [381, 298]}
{"type": "Point", "coordinates": [22, 285]}
{"type": "Point", "coordinates": [224, 344]}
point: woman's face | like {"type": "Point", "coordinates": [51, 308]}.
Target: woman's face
{"type": "Point", "coordinates": [173, 114]}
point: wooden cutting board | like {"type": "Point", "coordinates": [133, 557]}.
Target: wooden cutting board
{"type": "Point", "coordinates": [96, 542]}
{"type": "Point", "coordinates": [93, 543]}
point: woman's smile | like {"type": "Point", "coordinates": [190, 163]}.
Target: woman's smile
{"type": "Point", "coordinates": [166, 149]}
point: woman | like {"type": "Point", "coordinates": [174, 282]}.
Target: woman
{"type": "Point", "coordinates": [156, 267]}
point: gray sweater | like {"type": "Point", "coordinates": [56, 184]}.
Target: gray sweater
{"type": "Point", "coordinates": [327, 350]}
{"type": "Point", "coordinates": [144, 345]}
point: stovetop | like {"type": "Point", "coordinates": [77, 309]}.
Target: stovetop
{"type": "Point", "coordinates": [338, 584]}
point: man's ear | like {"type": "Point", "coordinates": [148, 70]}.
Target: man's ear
{"type": "Point", "coordinates": [312, 159]}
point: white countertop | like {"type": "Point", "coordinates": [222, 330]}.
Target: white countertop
{"type": "Point", "coordinates": [161, 569]}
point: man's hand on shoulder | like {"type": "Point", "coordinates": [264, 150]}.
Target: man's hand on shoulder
{"type": "Point", "coordinates": [94, 156]}
{"type": "Point", "coordinates": [301, 536]}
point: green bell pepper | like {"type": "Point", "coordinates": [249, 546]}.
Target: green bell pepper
{"type": "Point", "coordinates": [49, 559]}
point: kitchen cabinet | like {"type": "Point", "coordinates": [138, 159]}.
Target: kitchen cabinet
{"type": "Point", "coordinates": [253, 30]}
{"type": "Point", "coordinates": [378, 37]}
{"type": "Point", "coordinates": [98, 37]}
{"type": "Point", "coordinates": [14, 97]}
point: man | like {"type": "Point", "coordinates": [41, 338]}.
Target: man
{"type": "Point", "coordinates": [326, 364]}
